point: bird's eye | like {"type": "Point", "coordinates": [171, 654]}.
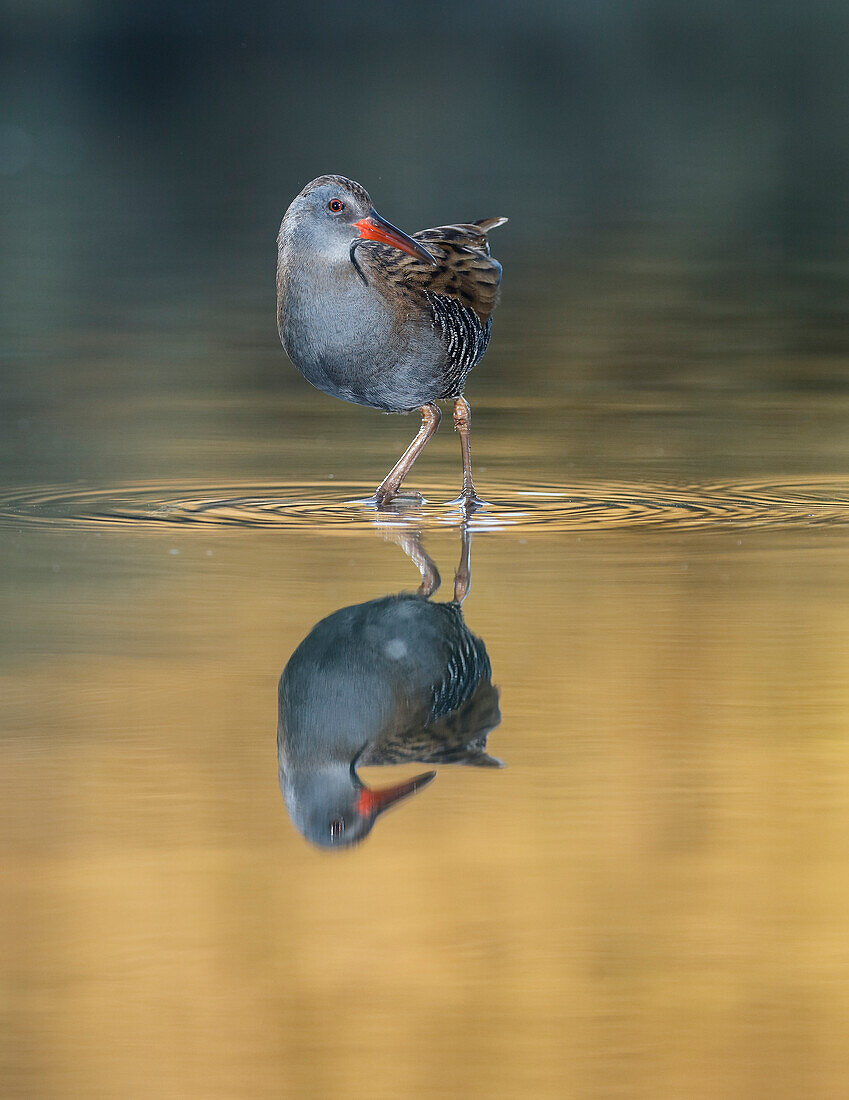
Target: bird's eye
{"type": "Point", "coordinates": [337, 827]}
{"type": "Point", "coordinates": [335, 205]}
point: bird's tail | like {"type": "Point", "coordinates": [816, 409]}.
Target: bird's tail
{"type": "Point", "coordinates": [461, 234]}
{"type": "Point", "coordinates": [486, 224]}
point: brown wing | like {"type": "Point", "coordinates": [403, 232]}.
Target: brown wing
{"type": "Point", "coordinates": [464, 272]}
{"type": "Point", "coordinates": [458, 737]}
{"type": "Point", "coordinates": [458, 293]}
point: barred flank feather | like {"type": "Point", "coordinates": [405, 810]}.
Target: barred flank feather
{"type": "Point", "coordinates": [466, 339]}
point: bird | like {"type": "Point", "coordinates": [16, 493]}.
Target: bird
{"type": "Point", "coordinates": [394, 322]}
{"type": "Point", "coordinates": [398, 679]}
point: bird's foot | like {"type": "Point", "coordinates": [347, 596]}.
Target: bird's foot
{"type": "Point", "coordinates": [390, 501]}
{"type": "Point", "coordinates": [468, 502]}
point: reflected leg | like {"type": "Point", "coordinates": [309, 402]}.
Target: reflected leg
{"type": "Point", "coordinates": [411, 543]}
{"type": "Point", "coordinates": [390, 485]}
{"type": "Point", "coordinates": [463, 576]}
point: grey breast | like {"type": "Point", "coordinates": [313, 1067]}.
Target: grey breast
{"type": "Point", "coordinates": [349, 341]}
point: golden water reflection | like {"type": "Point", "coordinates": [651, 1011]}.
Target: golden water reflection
{"type": "Point", "coordinates": [650, 900]}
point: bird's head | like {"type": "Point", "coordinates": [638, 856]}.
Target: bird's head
{"type": "Point", "coordinates": [333, 214]}
{"type": "Point", "coordinates": [334, 809]}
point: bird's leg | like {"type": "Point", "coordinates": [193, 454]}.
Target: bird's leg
{"type": "Point", "coordinates": [468, 499]}
{"type": "Point", "coordinates": [463, 576]}
{"type": "Point", "coordinates": [411, 543]}
{"type": "Point", "coordinates": [390, 485]}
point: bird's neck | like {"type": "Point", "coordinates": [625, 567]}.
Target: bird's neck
{"type": "Point", "coordinates": [303, 784]}
{"type": "Point", "coordinates": [326, 283]}
{"type": "Point", "coordinates": [310, 264]}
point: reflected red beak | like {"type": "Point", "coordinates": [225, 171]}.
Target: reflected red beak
{"type": "Point", "coordinates": [371, 803]}
{"type": "Point", "coordinates": [375, 228]}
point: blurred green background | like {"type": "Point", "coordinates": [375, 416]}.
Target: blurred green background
{"type": "Point", "coordinates": [676, 178]}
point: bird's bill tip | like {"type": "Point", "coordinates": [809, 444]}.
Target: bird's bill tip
{"type": "Point", "coordinates": [371, 802]}
{"type": "Point", "coordinates": [375, 228]}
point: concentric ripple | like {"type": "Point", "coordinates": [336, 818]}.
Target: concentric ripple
{"type": "Point", "coordinates": [333, 506]}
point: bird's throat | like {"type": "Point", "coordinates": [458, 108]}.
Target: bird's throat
{"type": "Point", "coordinates": [353, 254]}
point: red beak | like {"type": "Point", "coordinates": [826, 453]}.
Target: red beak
{"type": "Point", "coordinates": [375, 228]}
{"type": "Point", "coordinates": [371, 803]}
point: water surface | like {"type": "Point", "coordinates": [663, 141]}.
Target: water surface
{"type": "Point", "coordinates": [648, 900]}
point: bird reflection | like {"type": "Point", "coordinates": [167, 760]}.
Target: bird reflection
{"type": "Point", "coordinates": [396, 680]}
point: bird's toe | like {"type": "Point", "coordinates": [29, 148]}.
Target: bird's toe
{"type": "Point", "coordinates": [389, 501]}
{"type": "Point", "coordinates": [468, 503]}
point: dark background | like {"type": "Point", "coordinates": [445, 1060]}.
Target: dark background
{"type": "Point", "coordinates": [190, 126]}
{"type": "Point", "coordinates": [676, 178]}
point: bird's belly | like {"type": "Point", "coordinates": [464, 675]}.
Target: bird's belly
{"type": "Point", "coordinates": [367, 357]}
